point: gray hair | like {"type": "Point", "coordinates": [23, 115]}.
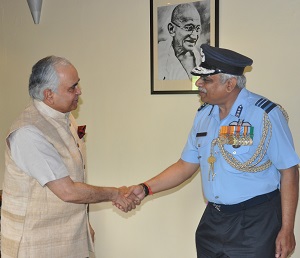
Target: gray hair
{"type": "Point", "coordinates": [44, 76]}
{"type": "Point", "coordinates": [241, 79]}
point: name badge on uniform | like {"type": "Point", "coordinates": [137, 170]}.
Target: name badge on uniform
{"type": "Point", "coordinates": [202, 134]}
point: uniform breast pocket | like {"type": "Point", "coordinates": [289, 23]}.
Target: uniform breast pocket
{"type": "Point", "coordinates": [242, 155]}
{"type": "Point", "coordinates": [203, 145]}
{"type": "Point", "coordinates": [240, 150]}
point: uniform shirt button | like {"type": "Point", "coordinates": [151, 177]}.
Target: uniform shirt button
{"type": "Point", "coordinates": [78, 145]}
{"type": "Point", "coordinates": [217, 197]}
{"type": "Point", "coordinates": [234, 152]}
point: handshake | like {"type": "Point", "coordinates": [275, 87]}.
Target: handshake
{"type": "Point", "coordinates": [127, 198]}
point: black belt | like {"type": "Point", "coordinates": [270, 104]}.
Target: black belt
{"type": "Point", "coordinates": [246, 204]}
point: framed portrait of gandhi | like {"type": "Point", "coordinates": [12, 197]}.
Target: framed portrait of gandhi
{"type": "Point", "coordinates": [177, 30]}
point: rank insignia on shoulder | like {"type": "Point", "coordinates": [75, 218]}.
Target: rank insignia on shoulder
{"type": "Point", "coordinates": [265, 104]}
{"type": "Point", "coordinates": [203, 106]}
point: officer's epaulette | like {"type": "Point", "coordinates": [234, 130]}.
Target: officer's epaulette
{"type": "Point", "coordinates": [203, 106]}
{"type": "Point", "coordinates": [265, 104]}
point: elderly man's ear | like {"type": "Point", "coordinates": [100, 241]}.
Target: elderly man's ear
{"type": "Point", "coordinates": [231, 84]}
{"type": "Point", "coordinates": [48, 96]}
{"type": "Point", "coordinates": [171, 29]}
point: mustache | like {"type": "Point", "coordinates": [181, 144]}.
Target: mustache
{"type": "Point", "coordinates": [191, 40]}
{"type": "Point", "coordinates": [202, 90]}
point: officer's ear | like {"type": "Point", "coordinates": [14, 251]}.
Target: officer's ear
{"type": "Point", "coordinates": [171, 29]}
{"type": "Point", "coordinates": [231, 84]}
{"type": "Point", "coordinates": [48, 96]}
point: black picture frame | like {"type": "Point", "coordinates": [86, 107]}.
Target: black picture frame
{"type": "Point", "coordinates": [160, 16]}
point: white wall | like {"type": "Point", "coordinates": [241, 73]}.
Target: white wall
{"type": "Point", "coordinates": [133, 135]}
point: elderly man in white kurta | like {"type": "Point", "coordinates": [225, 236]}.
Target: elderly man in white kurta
{"type": "Point", "coordinates": [44, 204]}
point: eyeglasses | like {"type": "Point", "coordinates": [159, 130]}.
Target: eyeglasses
{"type": "Point", "coordinates": [189, 27]}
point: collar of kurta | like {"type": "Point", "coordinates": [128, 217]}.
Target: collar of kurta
{"type": "Point", "coordinates": [45, 109]}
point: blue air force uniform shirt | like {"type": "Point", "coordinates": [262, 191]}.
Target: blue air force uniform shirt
{"type": "Point", "coordinates": [229, 185]}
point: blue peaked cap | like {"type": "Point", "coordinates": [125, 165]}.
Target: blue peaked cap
{"type": "Point", "coordinates": [220, 60]}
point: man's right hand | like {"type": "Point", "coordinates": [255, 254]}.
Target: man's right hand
{"type": "Point", "coordinates": [125, 200]}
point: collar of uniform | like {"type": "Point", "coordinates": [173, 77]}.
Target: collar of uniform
{"type": "Point", "coordinates": [214, 112]}
{"type": "Point", "coordinates": [240, 100]}
{"type": "Point", "coordinates": [48, 111]}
